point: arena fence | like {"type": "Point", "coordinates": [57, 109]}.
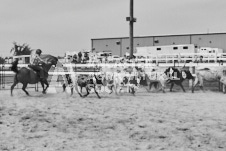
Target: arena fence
{"type": "Point", "coordinates": [6, 76]}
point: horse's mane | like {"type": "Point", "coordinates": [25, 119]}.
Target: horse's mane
{"type": "Point", "coordinates": [46, 57]}
{"type": "Point", "coordinates": [49, 58]}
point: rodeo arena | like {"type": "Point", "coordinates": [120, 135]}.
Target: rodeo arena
{"type": "Point", "coordinates": [124, 94]}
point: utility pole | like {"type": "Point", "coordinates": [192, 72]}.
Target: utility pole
{"type": "Point", "coordinates": [131, 21]}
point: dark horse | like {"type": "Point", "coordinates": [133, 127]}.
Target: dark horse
{"type": "Point", "coordinates": [29, 76]}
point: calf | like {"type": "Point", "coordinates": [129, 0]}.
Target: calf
{"type": "Point", "coordinates": [176, 76]}
{"type": "Point", "coordinates": [84, 81]}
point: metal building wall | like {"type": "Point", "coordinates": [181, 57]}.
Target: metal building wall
{"type": "Point", "coordinates": [217, 40]}
{"type": "Point", "coordinates": [210, 40]}
{"type": "Point", "coordinates": [171, 40]}
{"type": "Point", "coordinates": [110, 44]}
{"type": "Point", "coordinates": [138, 42]}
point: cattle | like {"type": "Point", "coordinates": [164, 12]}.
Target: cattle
{"type": "Point", "coordinates": [90, 82]}
{"type": "Point", "coordinates": [84, 81]}
{"type": "Point", "coordinates": [210, 75]}
{"type": "Point", "coordinates": [116, 80]}
{"type": "Point", "coordinates": [170, 76]}
{"type": "Point", "coordinates": [152, 76]}
{"type": "Point", "coordinates": [177, 77]}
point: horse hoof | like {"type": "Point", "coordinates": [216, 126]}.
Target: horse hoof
{"type": "Point", "coordinates": [43, 92]}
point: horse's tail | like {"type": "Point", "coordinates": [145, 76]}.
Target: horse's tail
{"type": "Point", "coordinates": [14, 66]}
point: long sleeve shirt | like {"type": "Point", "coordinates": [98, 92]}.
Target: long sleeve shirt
{"type": "Point", "coordinates": [36, 60]}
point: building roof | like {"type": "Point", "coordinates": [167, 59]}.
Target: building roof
{"type": "Point", "coordinates": [158, 36]}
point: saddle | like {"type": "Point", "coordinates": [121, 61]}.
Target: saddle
{"type": "Point", "coordinates": [37, 72]}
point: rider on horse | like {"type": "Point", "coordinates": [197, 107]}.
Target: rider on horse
{"type": "Point", "coordinates": [36, 64]}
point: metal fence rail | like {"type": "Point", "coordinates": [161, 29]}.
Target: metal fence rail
{"type": "Point", "coordinates": [6, 75]}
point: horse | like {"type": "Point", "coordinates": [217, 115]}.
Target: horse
{"type": "Point", "coordinates": [29, 76]}
{"type": "Point", "coordinates": [210, 75]}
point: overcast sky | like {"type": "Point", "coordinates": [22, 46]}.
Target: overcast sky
{"type": "Point", "coordinates": [57, 26]}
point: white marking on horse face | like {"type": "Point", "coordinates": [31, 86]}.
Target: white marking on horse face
{"type": "Point", "coordinates": [184, 75]}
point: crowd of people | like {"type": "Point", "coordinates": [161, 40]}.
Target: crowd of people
{"type": "Point", "coordinates": [83, 58]}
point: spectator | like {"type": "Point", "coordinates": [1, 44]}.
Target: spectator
{"type": "Point", "coordinates": [79, 57]}
{"type": "Point", "coordinates": [201, 59]}
{"type": "Point", "coordinates": [74, 59]}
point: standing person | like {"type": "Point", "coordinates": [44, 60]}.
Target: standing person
{"type": "Point", "coordinates": [79, 57]}
{"type": "Point", "coordinates": [36, 64]}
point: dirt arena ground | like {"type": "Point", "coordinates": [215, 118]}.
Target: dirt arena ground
{"type": "Point", "coordinates": [153, 121]}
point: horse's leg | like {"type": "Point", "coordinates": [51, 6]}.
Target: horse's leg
{"type": "Point", "coordinates": [171, 87]}
{"type": "Point", "coordinates": [24, 88]}
{"type": "Point", "coordinates": [43, 86]}
{"type": "Point", "coordinates": [96, 92]}
{"type": "Point", "coordinates": [12, 87]}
